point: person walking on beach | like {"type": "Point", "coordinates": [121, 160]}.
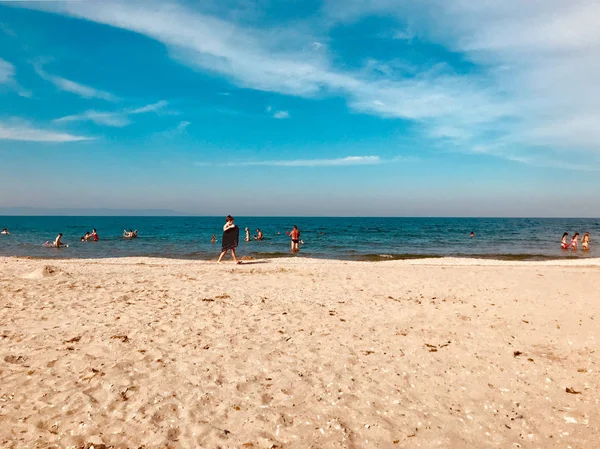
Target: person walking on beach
{"type": "Point", "coordinates": [563, 241]}
{"type": "Point", "coordinates": [231, 236]}
{"type": "Point", "coordinates": [574, 241]}
{"type": "Point", "coordinates": [295, 236]}
{"type": "Point", "coordinates": [585, 241]}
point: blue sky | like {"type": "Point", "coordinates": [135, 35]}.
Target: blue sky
{"type": "Point", "coordinates": [332, 107]}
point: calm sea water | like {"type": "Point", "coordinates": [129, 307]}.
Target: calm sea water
{"type": "Point", "coordinates": [335, 238]}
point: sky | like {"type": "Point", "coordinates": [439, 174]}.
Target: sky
{"type": "Point", "coordinates": [302, 107]}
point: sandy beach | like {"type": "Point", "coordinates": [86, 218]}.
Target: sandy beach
{"type": "Point", "coordinates": [299, 353]}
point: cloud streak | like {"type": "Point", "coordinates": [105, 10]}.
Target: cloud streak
{"type": "Point", "coordinates": [74, 87]}
{"type": "Point", "coordinates": [281, 114]}
{"type": "Point", "coordinates": [116, 119]}
{"type": "Point", "coordinates": [7, 72]}
{"type": "Point", "coordinates": [27, 133]}
{"type": "Point", "coordinates": [344, 161]}
{"type": "Point", "coordinates": [150, 107]}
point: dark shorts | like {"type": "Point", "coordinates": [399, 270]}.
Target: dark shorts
{"type": "Point", "coordinates": [295, 241]}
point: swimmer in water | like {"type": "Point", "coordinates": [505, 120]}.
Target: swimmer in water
{"type": "Point", "coordinates": [5, 232]}
{"type": "Point", "coordinates": [213, 240]}
{"type": "Point", "coordinates": [585, 241]}
{"type": "Point", "coordinates": [57, 242]}
{"type": "Point", "coordinates": [563, 241]}
{"type": "Point", "coordinates": [259, 235]}
{"type": "Point", "coordinates": [247, 238]}
{"type": "Point", "coordinates": [86, 237]}
{"type": "Point", "coordinates": [472, 235]}
{"type": "Point", "coordinates": [94, 235]}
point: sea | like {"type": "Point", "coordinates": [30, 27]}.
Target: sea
{"type": "Point", "coordinates": [369, 239]}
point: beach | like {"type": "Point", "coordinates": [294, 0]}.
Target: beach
{"type": "Point", "coordinates": [299, 353]}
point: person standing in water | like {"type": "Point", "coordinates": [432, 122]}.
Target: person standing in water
{"type": "Point", "coordinates": [259, 235]}
{"type": "Point", "coordinates": [585, 241]}
{"type": "Point", "coordinates": [563, 241]}
{"type": "Point", "coordinates": [247, 239]}
{"type": "Point", "coordinates": [94, 235]}
{"type": "Point", "coordinates": [574, 241]}
{"type": "Point", "coordinates": [213, 240]}
{"type": "Point", "coordinates": [5, 232]}
{"type": "Point", "coordinates": [295, 236]}
{"type": "Point", "coordinates": [231, 235]}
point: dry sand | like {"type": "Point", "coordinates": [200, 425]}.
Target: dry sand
{"type": "Point", "coordinates": [299, 353]}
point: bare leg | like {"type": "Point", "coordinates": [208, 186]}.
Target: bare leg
{"type": "Point", "coordinates": [233, 255]}
{"type": "Point", "coordinates": [221, 256]}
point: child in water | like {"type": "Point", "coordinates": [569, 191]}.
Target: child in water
{"type": "Point", "coordinates": [585, 241]}
{"type": "Point", "coordinates": [563, 241]}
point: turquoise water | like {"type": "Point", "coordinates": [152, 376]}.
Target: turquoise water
{"type": "Point", "coordinates": [334, 238]}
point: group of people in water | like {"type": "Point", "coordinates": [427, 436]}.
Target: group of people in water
{"type": "Point", "coordinates": [230, 239]}
{"type": "Point", "coordinates": [93, 236]}
{"type": "Point", "coordinates": [573, 243]}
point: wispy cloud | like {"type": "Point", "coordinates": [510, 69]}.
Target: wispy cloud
{"type": "Point", "coordinates": [543, 58]}
{"type": "Point", "coordinates": [344, 161]}
{"type": "Point", "coordinates": [536, 64]}
{"type": "Point", "coordinates": [7, 30]}
{"type": "Point", "coordinates": [74, 87]}
{"type": "Point", "coordinates": [27, 133]}
{"type": "Point", "coordinates": [281, 114]}
{"type": "Point", "coordinates": [177, 130]}
{"type": "Point", "coordinates": [150, 108]}
{"type": "Point", "coordinates": [117, 119]}
{"type": "Point", "coordinates": [7, 72]}
{"type": "Point", "coordinates": [253, 58]}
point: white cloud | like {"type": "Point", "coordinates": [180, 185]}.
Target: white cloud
{"type": "Point", "coordinates": [349, 160]}
{"type": "Point", "coordinates": [281, 114]}
{"type": "Point", "coordinates": [27, 133]}
{"type": "Point", "coordinates": [7, 72]}
{"type": "Point", "coordinates": [117, 119]}
{"type": "Point", "coordinates": [150, 108]}
{"type": "Point", "coordinates": [537, 64]}
{"type": "Point", "coordinates": [182, 126]}
{"type": "Point", "coordinates": [542, 56]}
{"type": "Point", "coordinates": [254, 58]}
{"type": "Point", "coordinates": [177, 130]}
{"type": "Point", "coordinates": [74, 87]}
